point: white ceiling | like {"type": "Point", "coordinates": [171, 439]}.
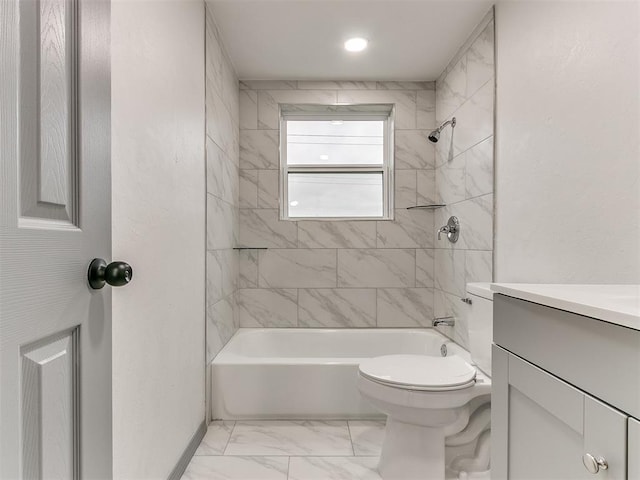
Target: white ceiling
{"type": "Point", "coordinates": [303, 39]}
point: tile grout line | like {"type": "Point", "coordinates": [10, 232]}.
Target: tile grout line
{"type": "Point", "coordinates": [353, 448]}
{"type": "Point", "coordinates": [224, 452]}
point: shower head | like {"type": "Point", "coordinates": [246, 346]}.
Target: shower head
{"type": "Point", "coordinates": [435, 135]}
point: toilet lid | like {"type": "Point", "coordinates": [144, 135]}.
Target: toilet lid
{"type": "Point", "coordinates": [419, 372]}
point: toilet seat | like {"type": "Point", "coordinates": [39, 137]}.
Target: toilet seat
{"type": "Point", "coordinates": [419, 372]}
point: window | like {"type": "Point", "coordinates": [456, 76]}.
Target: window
{"type": "Point", "coordinates": [336, 162]}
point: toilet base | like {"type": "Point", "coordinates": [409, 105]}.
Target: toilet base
{"type": "Point", "coordinates": [412, 452]}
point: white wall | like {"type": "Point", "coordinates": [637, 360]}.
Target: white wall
{"type": "Point", "coordinates": [567, 142]}
{"type": "Point", "coordinates": [158, 129]}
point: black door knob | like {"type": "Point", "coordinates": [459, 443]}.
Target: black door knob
{"type": "Point", "coordinates": [115, 274]}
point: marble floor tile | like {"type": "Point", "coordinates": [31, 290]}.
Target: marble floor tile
{"type": "Point", "coordinates": [216, 438]}
{"type": "Point", "coordinates": [290, 438]}
{"type": "Point", "coordinates": [237, 468]}
{"type": "Point", "coordinates": [367, 436]}
{"type": "Point", "coordinates": [334, 468]}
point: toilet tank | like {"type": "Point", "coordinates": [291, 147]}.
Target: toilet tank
{"type": "Point", "coordinates": [480, 321]}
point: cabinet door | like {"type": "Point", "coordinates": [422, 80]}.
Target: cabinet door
{"type": "Point", "coordinates": [544, 426]}
{"type": "Point", "coordinates": [633, 450]}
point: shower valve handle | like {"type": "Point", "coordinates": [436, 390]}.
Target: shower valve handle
{"type": "Point", "coordinates": [452, 229]}
{"type": "Point", "coordinates": [442, 230]}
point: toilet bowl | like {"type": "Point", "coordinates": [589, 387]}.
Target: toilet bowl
{"type": "Point", "coordinates": [427, 398]}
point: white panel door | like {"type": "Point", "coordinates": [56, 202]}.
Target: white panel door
{"type": "Point", "coordinates": [55, 217]}
{"type": "Point", "coordinates": [545, 426]}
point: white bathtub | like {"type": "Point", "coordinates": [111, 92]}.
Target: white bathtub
{"type": "Point", "coordinates": [293, 373]}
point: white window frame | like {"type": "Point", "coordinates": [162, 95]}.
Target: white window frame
{"type": "Point", "coordinates": [339, 112]}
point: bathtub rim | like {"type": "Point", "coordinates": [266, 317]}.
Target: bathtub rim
{"type": "Point", "coordinates": [227, 357]}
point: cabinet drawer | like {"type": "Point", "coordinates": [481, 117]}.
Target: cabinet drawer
{"type": "Point", "coordinates": [595, 356]}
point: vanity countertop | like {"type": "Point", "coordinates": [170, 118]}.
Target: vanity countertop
{"type": "Point", "coordinates": [618, 304]}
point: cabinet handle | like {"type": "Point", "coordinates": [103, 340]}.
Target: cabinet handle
{"type": "Point", "coordinates": [594, 464]}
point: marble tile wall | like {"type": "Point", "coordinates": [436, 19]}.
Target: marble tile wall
{"type": "Point", "coordinates": [223, 186]}
{"type": "Point", "coordinates": [464, 175]}
{"type": "Point", "coordinates": [336, 274]}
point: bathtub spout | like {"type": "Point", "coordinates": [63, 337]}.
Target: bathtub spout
{"type": "Point", "coordinates": [444, 322]}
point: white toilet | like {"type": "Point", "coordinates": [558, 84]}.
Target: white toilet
{"type": "Point", "coordinates": [426, 398]}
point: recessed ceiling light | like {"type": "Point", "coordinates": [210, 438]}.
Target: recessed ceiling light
{"type": "Point", "coordinates": [293, 203]}
{"type": "Point", "coordinates": [324, 157]}
{"type": "Point", "coordinates": [336, 122]}
{"type": "Point", "coordinates": [356, 44]}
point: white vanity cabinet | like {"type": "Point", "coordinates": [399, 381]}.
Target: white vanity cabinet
{"type": "Point", "coordinates": [634, 449]}
{"type": "Point", "coordinates": [563, 386]}
{"type": "Point", "coordinates": [547, 426]}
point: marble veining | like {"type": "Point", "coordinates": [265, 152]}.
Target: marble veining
{"type": "Point", "coordinates": [269, 100]}
{"type": "Point", "coordinates": [405, 307]}
{"type": "Point", "coordinates": [395, 85]}
{"type": "Point", "coordinates": [413, 150]}
{"type": "Point", "coordinates": [263, 307]}
{"type": "Point", "coordinates": [376, 268]}
{"type": "Point", "coordinates": [268, 189]}
{"type": "Point", "coordinates": [222, 323]}
{"type": "Point", "coordinates": [405, 188]}
{"type": "Point", "coordinates": [223, 190]}
{"type": "Point", "coordinates": [464, 176]}
{"type": "Point", "coordinates": [219, 213]}
{"type": "Point", "coordinates": [354, 445]}
{"type": "Point", "coordinates": [248, 108]}
{"type": "Point", "coordinates": [477, 216]}
{"type": "Point", "coordinates": [404, 100]}
{"type": "Point", "coordinates": [216, 438]}
{"type": "Point", "coordinates": [268, 85]}
{"type": "Point", "coordinates": [214, 57]}
{"type": "Point", "coordinates": [261, 228]}
{"type": "Point", "coordinates": [337, 308]}
{"type": "Point", "coordinates": [478, 266]}
{"type": "Point", "coordinates": [334, 468]}
{"type": "Point", "coordinates": [297, 268]}
{"type": "Point", "coordinates": [409, 229]}
{"type": "Point", "coordinates": [425, 260]}
{"type": "Point", "coordinates": [222, 174]}
{"type": "Point", "coordinates": [367, 436]}
{"type": "Point", "coordinates": [451, 92]}
{"type": "Point", "coordinates": [479, 169]}
{"type": "Point", "coordinates": [221, 125]}
{"type": "Point", "coordinates": [237, 468]}
{"type": "Point", "coordinates": [214, 277]}
{"type": "Point", "coordinates": [248, 189]}
{"type": "Point", "coordinates": [344, 234]}
{"type": "Point", "coordinates": [324, 438]}
{"type": "Point", "coordinates": [426, 109]}
{"type": "Point", "coordinates": [446, 304]}
{"type": "Point", "coordinates": [259, 149]}
{"type": "Point", "coordinates": [328, 293]}
{"type": "Point", "coordinates": [335, 85]}
{"type": "Point", "coordinates": [450, 265]}
{"type": "Point", "coordinates": [222, 271]}
{"type": "Point", "coordinates": [248, 269]}
{"type": "Point", "coordinates": [475, 119]}
{"type": "Point", "coordinates": [426, 187]}
{"type": "Point", "coordinates": [450, 181]}
{"type": "Point", "coordinates": [480, 62]}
